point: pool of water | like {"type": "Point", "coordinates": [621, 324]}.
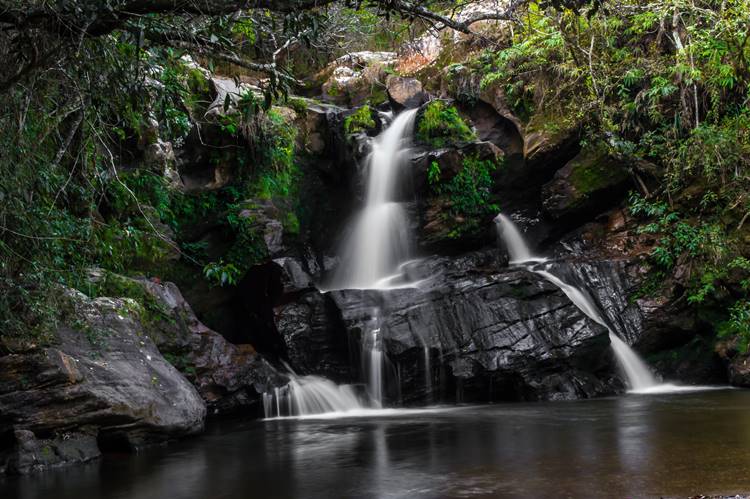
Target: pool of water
{"type": "Point", "coordinates": [638, 445]}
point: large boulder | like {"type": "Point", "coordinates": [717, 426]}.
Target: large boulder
{"type": "Point", "coordinates": [228, 377]}
{"type": "Point", "coordinates": [357, 78]}
{"type": "Point", "coordinates": [406, 92]}
{"type": "Point", "coordinates": [102, 376]}
{"type": "Point", "coordinates": [588, 184]}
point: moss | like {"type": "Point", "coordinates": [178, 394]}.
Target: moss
{"type": "Point", "coordinates": [440, 125]}
{"type": "Point", "coordinates": [291, 224]}
{"type": "Point", "coordinates": [595, 170]}
{"type": "Point", "coordinates": [360, 120]}
{"type": "Point", "coordinates": [378, 95]}
{"type": "Point", "coordinates": [197, 82]}
{"type": "Point", "coordinates": [146, 306]}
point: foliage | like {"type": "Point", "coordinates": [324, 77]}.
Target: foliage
{"type": "Point", "coordinates": [666, 86]}
{"type": "Point", "coordinates": [738, 324]}
{"type": "Point", "coordinates": [468, 193]}
{"type": "Point", "coordinates": [360, 120]}
{"type": "Point", "coordinates": [440, 125]}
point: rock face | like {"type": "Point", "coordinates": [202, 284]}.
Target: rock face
{"type": "Point", "coordinates": [228, 377]}
{"type": "Point", "coordinates": [406, 92]}
{"type": "Point", "coordinates": [103, 378]}
{"type": "Point", "coordinates": [497, 333]}
{"type": "Point", "coordinates": [587, 185]}
{"type": "Point", "coordinates": [317, 341]}
{"type": "Point", "coordinates": [437, 229]}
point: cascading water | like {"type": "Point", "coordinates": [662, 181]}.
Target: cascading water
{"type": "Point", "coordinates": [375, 256]}
{"type": "Point", "coordinates": [636, 371]}
{"type": "Point", "coordinates": [306, 395]}
{"type": "Point", "coordinates": [380, 241]}
{"type": "Point", "coordinates": [518, 250]}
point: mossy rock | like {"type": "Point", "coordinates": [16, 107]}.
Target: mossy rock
{"type": "Point", "coordinates": [440, 125]}
{"type": "Point", "coordinates": [588, 184]}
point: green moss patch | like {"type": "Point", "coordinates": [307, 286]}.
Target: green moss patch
{"type": "Point", "coordinates": [440, 125]}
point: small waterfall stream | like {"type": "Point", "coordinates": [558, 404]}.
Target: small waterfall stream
{"type": "Point", "coordinates": [305, 395]}
{"type": "Point", "coordinates": [636, 371]}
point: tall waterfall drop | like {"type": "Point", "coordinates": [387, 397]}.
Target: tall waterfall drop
{"type": "Point", "coordinates": [380, 241]}
{"type": "Point", "coordinates": [637, 372]}
{"type": "Point", "coordinates": [375, 256]}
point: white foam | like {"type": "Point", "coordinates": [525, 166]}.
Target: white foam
{"type": "Point", "coordinates": [666, 388]}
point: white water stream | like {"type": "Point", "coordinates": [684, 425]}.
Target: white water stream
{"type": "Point", "coordinates": [375, 256]}
{"type": "Point", "coordinates": [636, 371]}
{"type": "Point", "coordinates": [380, 241]}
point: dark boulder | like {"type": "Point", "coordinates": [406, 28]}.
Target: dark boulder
{"type": "Point", "coordinates": [587, 185]}
{"type": "Point", "coordinates": [228, 377]}
{"type": "Point", "coordinates": [101, 376]}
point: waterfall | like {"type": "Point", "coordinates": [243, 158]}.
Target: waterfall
{"type": "Point", "coordinates": [373, 353]}
{"type": "Point", "coordinates": [517, 248]}
{"type": "Point", "coordinates": [638, 375]}
{"type": "Point", "coordinates": [380, 241]}
{"type": "Point", "coordinates": [374, 256]}
{"type": "Point", "coordinates": [307, 395]}
{"type": "Point", "coordinates": [427, 375]}
{"type": "Point", "coordinates": [636, 371]}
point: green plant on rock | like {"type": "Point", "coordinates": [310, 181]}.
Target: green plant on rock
{"type": "Point", "coordinates": [360, 120]}
{"type": "Point", "coordinates": [440, 125]}
{"type": "Point", "coordinates": [469, 194]}
{"type": "Point", "coordinates": [221, 273]}
{"type": "Point", "coordinates": [738, 324]}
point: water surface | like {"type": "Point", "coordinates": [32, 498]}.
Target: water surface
{"type": "Point", "coordinates": [651, 445]}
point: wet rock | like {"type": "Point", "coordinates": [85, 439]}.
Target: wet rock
{"type": "Point", "coordinates": [316, 339]}
{"type": "Point", "coordinates": [588, 184]}
{"type": "Point", "coordinates": [228, 377]}
{"type": "Point", "coordinates": [501, 334]}
{"type": "Point", "coordinates": [102, 375]}
{"type": "Point", "coordinates": [28, 454]}
{"type": "Point", "coordinates": [406, 92]}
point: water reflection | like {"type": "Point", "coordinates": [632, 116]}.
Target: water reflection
{"type": "Point", "coordinates": [634, 446]}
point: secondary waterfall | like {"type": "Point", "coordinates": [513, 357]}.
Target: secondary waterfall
{"type": "Point", "coordinates": [636, 371]}
{"type": "Point", "coordinates": [380, 241]}
{"type": "Point", "coordinates": [517, 248]}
